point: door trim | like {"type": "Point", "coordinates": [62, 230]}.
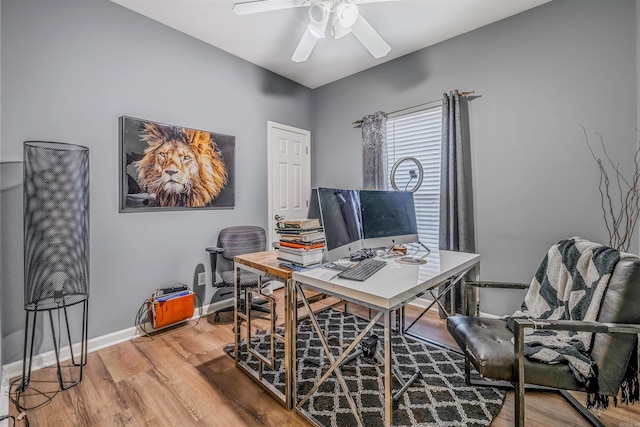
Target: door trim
{"type": "Point", "coordinates": [274, 125]}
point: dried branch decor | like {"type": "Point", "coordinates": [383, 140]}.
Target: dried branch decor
{"type": "Point", "coordinates": [619, 197]}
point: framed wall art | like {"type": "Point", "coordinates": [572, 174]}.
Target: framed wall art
{"type": "Point", "coordinates": [168, 167]}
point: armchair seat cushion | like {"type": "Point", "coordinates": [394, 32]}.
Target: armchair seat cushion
{"type": "Point", "coordinates": [488, 342]}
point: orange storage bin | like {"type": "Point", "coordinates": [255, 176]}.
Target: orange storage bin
{"type": "Point", "coordinates": [167, 310]}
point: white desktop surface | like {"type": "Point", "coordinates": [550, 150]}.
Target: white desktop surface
{"type": "Point", "coordinates": [394, 285]}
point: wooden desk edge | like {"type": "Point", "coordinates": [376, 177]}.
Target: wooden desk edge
{"type": "Point", "coordinates": [266, 261]}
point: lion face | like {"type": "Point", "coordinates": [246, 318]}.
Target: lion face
{"type": "Point", "coordinates": [181, 167]}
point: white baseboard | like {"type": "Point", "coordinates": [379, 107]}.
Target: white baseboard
{"type": "Point", "coordinates": [4, 397]}
{"type": "Point", "coordinates": [48, 358]}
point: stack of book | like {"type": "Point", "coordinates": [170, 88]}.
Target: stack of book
{"type": "Point", "coordinates": [301, 242]}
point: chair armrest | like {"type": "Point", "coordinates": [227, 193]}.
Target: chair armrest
{"type": "Point", "coordinates": [559, 325]}
{"type": "Point", "coordinates": [472, 286]}
{"type": "Point", "coordinates": [575, 325]}
{"type": "Point", "coordinates": [214, 251]}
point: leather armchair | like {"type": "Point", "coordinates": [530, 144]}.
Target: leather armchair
{"type": "Point", "coordinates": [497, 353]}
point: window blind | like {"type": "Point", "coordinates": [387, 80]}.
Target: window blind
{"type": "Point", "coordinates": [418, 134]}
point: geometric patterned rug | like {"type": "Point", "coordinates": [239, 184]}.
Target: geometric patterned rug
{"type": "Point", "coordinates": [440, 398]}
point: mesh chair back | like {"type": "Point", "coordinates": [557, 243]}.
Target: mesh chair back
{"type": "Point", "coordinates": [239, 240]}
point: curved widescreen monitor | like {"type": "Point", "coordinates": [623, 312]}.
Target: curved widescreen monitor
{"type": "Point", "coordinates": [340, 211]}
{"type": "Point", "coordinates": [388, 218]}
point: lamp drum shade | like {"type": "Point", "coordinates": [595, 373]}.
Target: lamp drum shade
{"type": "Point", "coordinates": [56, 225]}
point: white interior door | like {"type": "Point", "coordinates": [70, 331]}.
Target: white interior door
{"type": "Point", "coordinates": [289, 173]}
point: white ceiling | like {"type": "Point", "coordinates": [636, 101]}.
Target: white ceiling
{"type": "Point", "coordinates": [269, 39]}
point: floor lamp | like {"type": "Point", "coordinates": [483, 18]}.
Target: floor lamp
{"type": "Point", "coordinates": [56, 245]}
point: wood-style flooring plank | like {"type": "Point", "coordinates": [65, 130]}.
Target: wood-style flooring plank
{"type": "Point", "coordinates": [123, 418]}
{"type": "Point", "coordinates": [153, 403]}
{"type": "Point", "coordinates": [97, 399]}
{"type": "Point", "coordinates": [186, 384]}
{"type": "Point", "coordinates": [246, 396]}
{"type": "Point", "coordinates": [124, 361]}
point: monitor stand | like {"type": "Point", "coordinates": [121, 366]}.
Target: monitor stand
{"type": "Point", "coordinates": [414, 259]}
{"type": "Point", "coordinates": [354, 257]}
{"type": "Point", "coordinates": [334, 266]}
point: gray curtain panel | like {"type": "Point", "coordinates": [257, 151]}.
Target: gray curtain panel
{"type": "Point", "coordinates": [456, 202]}
{"type": "Point", "coordinates": [374, 149]}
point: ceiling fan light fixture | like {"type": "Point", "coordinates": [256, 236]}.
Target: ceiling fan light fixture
{"type": "Point", "coordinates": [345, 19]}
{"type": "Point", "coordinates": [319, 18]}
{"type": "Point", "coordinates": [347, 14]}
{"type": "Point", "coordinates": [338, 31]}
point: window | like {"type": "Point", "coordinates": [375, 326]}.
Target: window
{"type": "Point", "coordinates": [418, 134]}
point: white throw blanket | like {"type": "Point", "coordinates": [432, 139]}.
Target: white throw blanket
{"type": "Point", "coordinates": [569, 285]}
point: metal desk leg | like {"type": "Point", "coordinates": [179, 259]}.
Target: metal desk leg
{"type": "Point", "coordinates": [388, 379]}
{"type": "Point", "coordinates": [242, 325]}
{"type": "Point", "coordinates": [294, 340]}
{"type": "Point", "coordinates": [337, 362]}
{"type": "Point", "coordinates": [290, 326]}
{"type": "Point", "coordinates": [400, 320]}
{"type": "Point", "coordinates": [453, 281]}
{"type": "Point", "coordinates": [236, 315]}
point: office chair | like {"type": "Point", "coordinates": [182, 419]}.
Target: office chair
{"type": "Point", "coordinates": [234, 241]}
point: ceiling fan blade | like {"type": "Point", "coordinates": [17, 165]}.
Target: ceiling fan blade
{"type": "Point", "coordinates": [257, 6]}
{"type": "Point", "coordinates": [370, 38]}
{"type": "Point", "coordinates": [305, 46]}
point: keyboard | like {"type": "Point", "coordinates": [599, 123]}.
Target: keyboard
{"type": "Point", "coordinates": [363, 270]}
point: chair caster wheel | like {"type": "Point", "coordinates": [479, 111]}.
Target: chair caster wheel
{"type": "Point", "coordinates": [216, 317]}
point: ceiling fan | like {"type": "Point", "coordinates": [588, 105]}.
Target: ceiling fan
{"type": "Point", "coordinates": [342, 16]}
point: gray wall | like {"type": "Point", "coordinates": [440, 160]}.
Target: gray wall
{"type": "Point", "coordinates": [70, 68]}
{"type": "Point", "coordinates": [11, 258]}
{"type": "Point", "coordinates": [539, 74]}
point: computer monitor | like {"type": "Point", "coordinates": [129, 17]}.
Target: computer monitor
{"type": "Point", "coordinates": [388, 218]}
{"type": "Point", "coordinates": [340, 211]}
{"type": "Point", "coordinates": [314, 206]}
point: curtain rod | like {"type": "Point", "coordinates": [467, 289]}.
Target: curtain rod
{"type": "Point", "coordinates": [358, 122]}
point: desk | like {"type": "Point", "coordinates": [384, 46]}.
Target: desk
{"type": "Point", "coordinates": [266, 263]}
{"type": "Point", "coordinates": [389, 289]}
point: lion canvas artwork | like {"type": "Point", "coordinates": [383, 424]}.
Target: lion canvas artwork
{"type": "Point", "coordinates": [172, 167]}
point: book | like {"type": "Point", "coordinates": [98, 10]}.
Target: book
{"type": "Point", "coordinates": [304, 259]}
{"type": "Point", "coordinates": [318, 236]}
{"type": "Point", "coordinates": [302, 245]}
{"type": "Point", "coordinates": [298, 231]}
{"type": "Point", "coordinates": [302, 224]}
{"type": "Point", "coordinates": [300, 250]}
{"type": "Point", "coordinates": [297, 267]}
{"type": "Point", "coordinates": [284, 261]}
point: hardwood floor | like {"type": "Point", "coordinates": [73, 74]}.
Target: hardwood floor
{"type": "Point", "coordinates": [182, 377]}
